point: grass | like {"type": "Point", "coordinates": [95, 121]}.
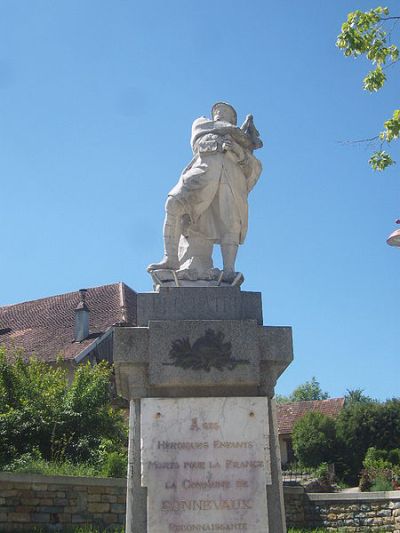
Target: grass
{"type": "Point", "coordinates": [340, 530]}
{"type": "Point", "coordinates": [78, 529]}
{"type": "Point", "coordinates": [92, 529]}
{"type": "Point", "coordinates": [52, 468]}
{"type": "Point", "coordinates": [114, 466]}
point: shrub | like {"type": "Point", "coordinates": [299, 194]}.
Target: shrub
{"type": "Point", "coordinates": [362, 425]}
{"type": "Point", "coordinates": [44, 417]}
{"type": "Point", "coordinates": [381, 483]}
{"type": "Point", "coordinates": [115, 465]}
{"type": "Point", "coordinates": [314, 439]}
{"type": "Point", "coordinates": [379, 472]}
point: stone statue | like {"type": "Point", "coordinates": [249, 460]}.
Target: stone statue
{"type": "Point", "coordinates": [208, 205]}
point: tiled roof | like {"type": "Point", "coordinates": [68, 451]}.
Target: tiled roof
{"type": "Point", "coordinates": [289, 413]}
{"type": "Point", "coordinates": [46, 326]}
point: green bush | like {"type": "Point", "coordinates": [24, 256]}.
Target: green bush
{"type": "Point", "coordinates": [394, 456]}
{"type": "Point", "coordinates": [81, 529]}
{"type": "Point", "coordinates": [314, 439]}
{"type": "Point", "coordinates": [380, 472]}
{"type": "Point", "coordinates": [377, 459]}
{"type": "Point", "coordinates": [381, 483]}
{"type": "Point", "coordinates": [362, 425]}
{"type": "Point", "coordinates": [115, 465]}
{"type": "Point", "coordinates": [46, 418]}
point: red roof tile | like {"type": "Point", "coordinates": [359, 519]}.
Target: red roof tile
{"type": "Point", "coordinates": [289, 413]}
{"type": "Point", "coordinates": [46, 326]}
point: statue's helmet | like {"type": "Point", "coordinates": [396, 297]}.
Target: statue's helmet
{"type": "Point", "coordinates": [226, 106]}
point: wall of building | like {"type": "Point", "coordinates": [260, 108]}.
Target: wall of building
{"type": "Point", "coordinates": [283, 449]}
{"type": "Point", "coordinates": [55, 503]}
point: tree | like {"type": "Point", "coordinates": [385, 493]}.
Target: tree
{"type": "Point", "coordinates": [42, 413]}
{"type": "Point", "coordinates": [362, 425]}
{"type": "Point", "coordinates": [310, 390]}
{"type": "Point", "coordinates": [314, 439]}
{"type": "Point", "coordinates": [356, 396]}
{"type": "Point", "coordinates": [367, 34]}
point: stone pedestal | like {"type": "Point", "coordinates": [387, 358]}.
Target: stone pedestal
{"type": "Point", "coordinates": [200, 370]}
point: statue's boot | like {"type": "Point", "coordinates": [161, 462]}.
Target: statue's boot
{"type": "Point", "coordinates": [229, 253]}
{"type": "Point", "coordinates": [170, 260]}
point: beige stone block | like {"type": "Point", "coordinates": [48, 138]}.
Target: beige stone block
{"type": "Point", "coordinates": [110, 518]}
{"type": "Point", "coordinates": [8, 493]}
{"type": "Point", "coordinates": [72, 509]}
{"type": "Point", "coordinates": [60, 501]}
{"type": "Point", "coordinates": [39, 486]}
{"type": "Point", "coordinates": [5, 485]}
{"type": "Point", "coordinates": [46, 501]}
{"type": "Point", "coordinates": [384, 512]}
{"type": "Point", "coordinates": [110, 498]}
{"type": "Point", "coordinates": [99, 507]}
{"type": "Point", "coordinates": [30, 501]}
{"type": "Point", "coordinates": [19, 517]}
{"type": "Point", "coordinates": [43, 518]}
{"type": "Point", "coordinates": [96, 490]}
{"type": "Point", "coordinates": [24, 508]}
{"type": "Point", "coordinates": [65, 518]}
{"type": "Point", "coordinates": [94, 497]}
{"type": "Point", "coordinates": [79, 519]}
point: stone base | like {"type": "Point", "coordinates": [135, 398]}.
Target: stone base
{"type": "Point", "coordinates": [192, 278]}
{"type": "Point", "coordinates": [197, 344]}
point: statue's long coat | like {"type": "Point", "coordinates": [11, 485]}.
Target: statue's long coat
{"type": "Point", "coordinates": [213, 188]}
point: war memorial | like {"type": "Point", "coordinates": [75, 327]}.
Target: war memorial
{"type": "Point", "coordinates": [200, 368]}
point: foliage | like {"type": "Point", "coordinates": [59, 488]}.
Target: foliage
{"type": "Point", "coordinates": [31, 463]}
{"type": "Point", "coordinates": [356, 396]}
{"type": "Point", "coordinates": [50, 419]}
{"type": "Point", "coordinates": [381, 470]}
{"type": "Point", "coordinates": [314, 439]}
{"type": "Point", "coordinates": [291, 530]}
{"type": "Point", "coordinates": [381, 483]}
{"type": "Point", "coordinates": [362, 425]}
{"type": "Point", "coordinates": [365, 34]}
{"type": "Point", "coordinates": [83, 529]}
{"type": "Point", "coordinates": [310, 390]}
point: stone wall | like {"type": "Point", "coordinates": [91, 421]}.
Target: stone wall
{"type": "Point", "coordinates": [367, 511]}
{"type": "Point", "coordinates": [59, 502]}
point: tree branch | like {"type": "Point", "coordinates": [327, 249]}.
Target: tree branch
{"type": "Point", "coordinates": [359, 141]}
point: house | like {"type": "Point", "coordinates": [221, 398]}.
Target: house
{"type": "Point", "coordinates": [76, 326]}
{"type": "Point", "coordinates": [289, 413]}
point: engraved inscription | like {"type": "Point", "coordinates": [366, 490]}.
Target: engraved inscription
{"type": "Point", "coordinates": [205, 465]}
{"type": "Point", "coordinates": [205, 505]}
{"type": "Point", "coordinates": [208, 527]}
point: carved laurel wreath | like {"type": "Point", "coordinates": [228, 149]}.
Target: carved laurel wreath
{"type": "Point", "coordinates": [207, 352]}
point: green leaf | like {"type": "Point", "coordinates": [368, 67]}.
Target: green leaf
{"type": "Point", "coordinates": [374, 80]}
{"type": "Point", "coordinates": [380, 160]}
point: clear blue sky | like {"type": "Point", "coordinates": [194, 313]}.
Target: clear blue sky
{"type": "Point", "coordinates": [96, 104]}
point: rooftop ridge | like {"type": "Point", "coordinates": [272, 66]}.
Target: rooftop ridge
{"type": "Point", "coordinates": [61, 294]}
